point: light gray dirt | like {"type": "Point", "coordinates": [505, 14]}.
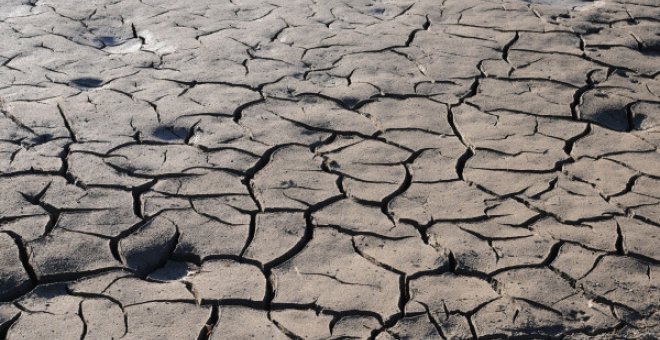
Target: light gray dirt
{"type": "Point", "coordinates": [301, 169]}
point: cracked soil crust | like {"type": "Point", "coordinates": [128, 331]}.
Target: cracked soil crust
{"type": "Point", "coordinates": [354, 169]}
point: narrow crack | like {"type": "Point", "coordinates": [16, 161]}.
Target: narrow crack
{"type": "Point", "coordinates": [507, 47]}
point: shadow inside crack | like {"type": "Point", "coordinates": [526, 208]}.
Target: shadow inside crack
{"type": "Point", "coordinates": [49, 291]}
{"type": "Point", "coordinates": [109, 41]}
{"type": "Point", "coordinates": [612, 117]}
{"type": "Point", "coordinates": [638, 121]}
{"type": "Point", "coordinates": [350, 102]}
{"type": "Point", "coordinates": [169, 133]}
{"type": "Point", "coordinates": [87, 82]}
{"type": "Point", "coordinates": [38, 139]}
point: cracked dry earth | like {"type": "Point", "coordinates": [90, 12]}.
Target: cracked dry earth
{"type": "Point", "coordinates": [329, 169]}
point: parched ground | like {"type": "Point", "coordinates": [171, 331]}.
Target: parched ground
{"type": "Point", "coordinates": [312, 169]}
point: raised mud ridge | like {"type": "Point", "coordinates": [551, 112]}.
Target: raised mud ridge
{"type": "Point", "coordinates": [301, 169]}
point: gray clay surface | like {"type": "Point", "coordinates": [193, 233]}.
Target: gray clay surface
{"type": "Point", "coordinates": [341, 169]}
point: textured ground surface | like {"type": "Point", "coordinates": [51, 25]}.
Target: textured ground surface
{"type": "Point", "coordinates": [329, 169]}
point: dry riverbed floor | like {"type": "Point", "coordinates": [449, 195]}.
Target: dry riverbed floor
{"type": "Point", "coordinates": [301, 169]}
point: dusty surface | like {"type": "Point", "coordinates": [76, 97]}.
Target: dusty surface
{"type": "Point", "coordinates": [329, 169]}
